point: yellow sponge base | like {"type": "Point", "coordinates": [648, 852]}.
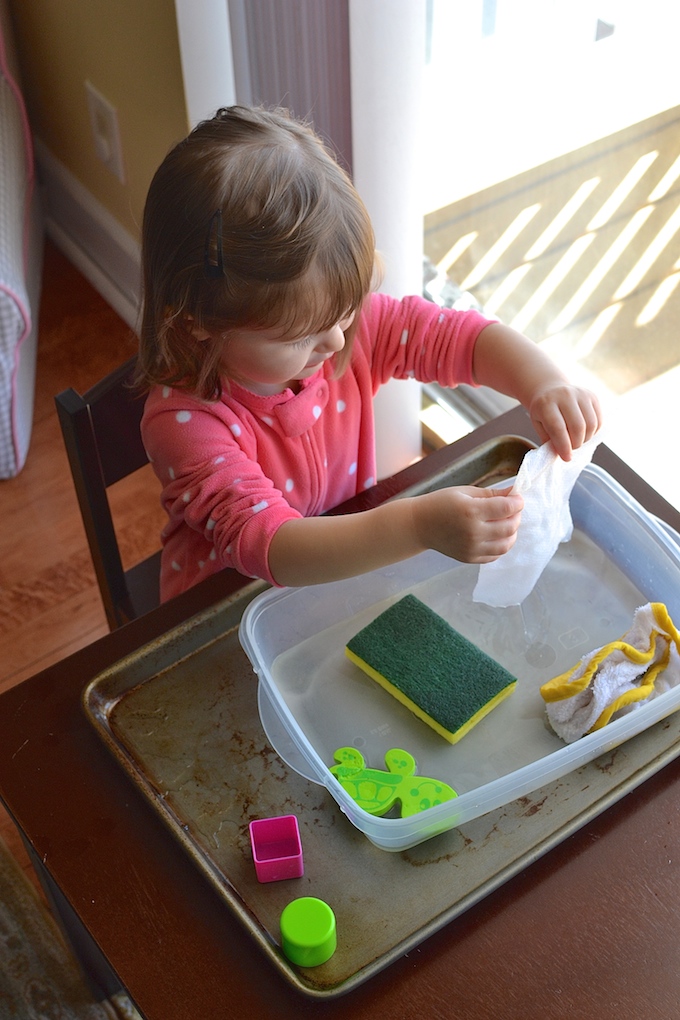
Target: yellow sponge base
{"type": "Point", "coordinates": [452, 738]}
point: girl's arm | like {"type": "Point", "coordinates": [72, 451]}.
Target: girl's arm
{"type": "Point", "coordinates": [469, 524]}
{"type": "Point", "coordinates": [507, 361]}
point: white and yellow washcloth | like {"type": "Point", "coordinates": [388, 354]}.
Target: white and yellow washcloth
{"type": "Point", "coordinates": [616, 678]}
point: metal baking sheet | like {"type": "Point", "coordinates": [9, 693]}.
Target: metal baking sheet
{"type": "Point", "coordinates": [180, 715]}
{"type": "Point", "coordinates": [487, 464]}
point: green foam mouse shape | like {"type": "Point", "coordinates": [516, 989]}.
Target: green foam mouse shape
{"type": "Point", "coordinates": [376, 791]}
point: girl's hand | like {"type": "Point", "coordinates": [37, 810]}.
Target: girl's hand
{"type": "Point", "coordinates": [566, 415]}
{"type": "Point", "coordinates": [470, 524]}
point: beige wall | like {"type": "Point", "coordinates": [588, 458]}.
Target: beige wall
{"type": "Point", "coordinates": [129, 50]}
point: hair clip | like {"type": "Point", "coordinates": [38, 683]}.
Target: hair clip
{"type": "Point", "coordinates": [214, 267]}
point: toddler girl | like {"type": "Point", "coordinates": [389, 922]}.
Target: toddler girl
{"type": "Point", "coordinates": [262, 345]}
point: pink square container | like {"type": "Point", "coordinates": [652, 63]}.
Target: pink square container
{"type": "Point", "coordinates": [277, 850]}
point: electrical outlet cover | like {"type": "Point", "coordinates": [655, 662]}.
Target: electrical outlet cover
{"type": "Point", "coordinates": [105, 131]}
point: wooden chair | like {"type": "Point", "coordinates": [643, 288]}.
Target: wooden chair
{"type": "Point", "coordinates": [103, 443]}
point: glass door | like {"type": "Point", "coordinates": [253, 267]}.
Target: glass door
{"type": "Point", "coordinates": [553, 192]}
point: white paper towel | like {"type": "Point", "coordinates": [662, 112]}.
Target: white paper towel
{"type": "Point", "coordinates": [545, 481]}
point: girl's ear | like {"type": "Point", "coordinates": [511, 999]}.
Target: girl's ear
{"type": "Point", "coordinates": [197, 332]}
{"type": "Point", "coordinates": [200, 334]}
{"type": "Point", "coordinates": [345, 323]}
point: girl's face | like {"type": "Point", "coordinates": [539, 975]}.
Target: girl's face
{"type": "Point", "coordinates": [265, 361]}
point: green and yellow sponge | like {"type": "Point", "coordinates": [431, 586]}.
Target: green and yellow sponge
{"type": "Point", "coordinates": [439, 675]}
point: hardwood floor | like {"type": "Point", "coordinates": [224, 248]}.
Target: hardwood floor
{"type": "Point", "coordinates": [49, 599]}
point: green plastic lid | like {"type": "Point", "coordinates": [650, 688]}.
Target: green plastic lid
{"type": "Point", "coordinates": [308, 936]}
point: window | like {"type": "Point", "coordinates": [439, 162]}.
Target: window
{"type": "Point", "coordinates": [554, 189]}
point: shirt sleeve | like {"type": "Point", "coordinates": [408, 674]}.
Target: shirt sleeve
{"type": "Point", "coordinates": [417, 339]}
{"type": "Point", "coordinates": [218, 500]}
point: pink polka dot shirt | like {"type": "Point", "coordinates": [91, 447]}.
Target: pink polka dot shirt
{"type": "Point", "coordinates": [233, 470]}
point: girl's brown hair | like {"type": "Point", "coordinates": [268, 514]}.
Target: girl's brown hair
{"type": "Point", "coordinates": [249, 223]}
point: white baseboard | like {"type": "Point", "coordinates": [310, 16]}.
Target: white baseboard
{"type": "Point", "coordinates": [104, 252]}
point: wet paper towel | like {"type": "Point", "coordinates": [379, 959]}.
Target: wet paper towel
{"type": "Point", "coordinates": [545, 481]}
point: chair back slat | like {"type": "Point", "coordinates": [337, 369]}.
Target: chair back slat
{"type": "Point", "coordinates": [116, 410]}
{"type": "Point", "coordinates": [101, 431]}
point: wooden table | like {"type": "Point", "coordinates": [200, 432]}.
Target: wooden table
{"type": "Point", "coordinates": [591, 930]}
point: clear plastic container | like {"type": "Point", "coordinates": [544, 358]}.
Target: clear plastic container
{"type": "Point", "coordinates": [313, 700]}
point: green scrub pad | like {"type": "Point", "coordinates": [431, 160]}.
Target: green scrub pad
{"type": "Point", "coordinates": [439, 675]}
